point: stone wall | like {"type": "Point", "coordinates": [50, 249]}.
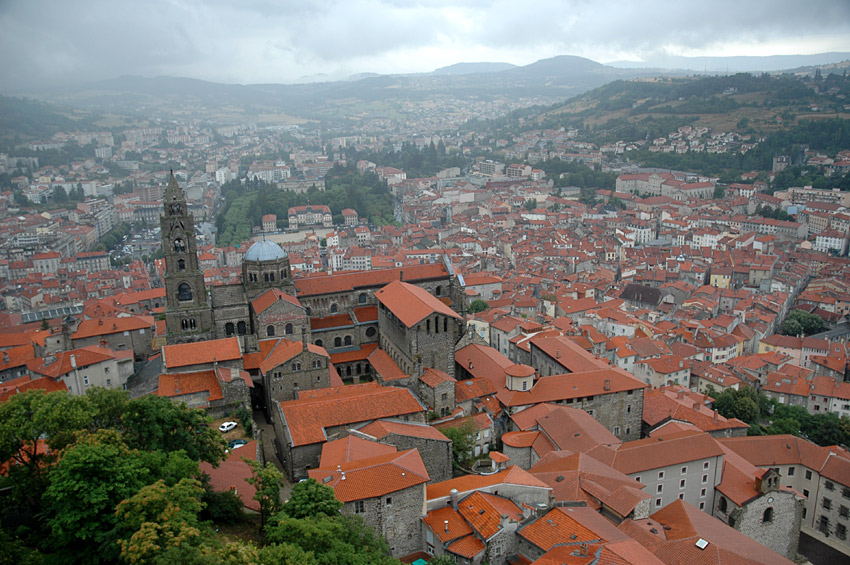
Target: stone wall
{"type": "Point", "coordinates": [397, 516]}
{"type": "Point", "coordinates": [436, 454]}
{"type": "Point", "coordinates": [781, 532]}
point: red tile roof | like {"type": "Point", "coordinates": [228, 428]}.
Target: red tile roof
{"type": "Point", "coordinates": [62, 365]}
{"type": "Point", "coordinates": [23, 384]}
{"type": "Point", "coordinates": [307, 417]}
{"type": "Point", "coordinates": [270, 297]}
{"type": "Point", "coordinates": [201, 353]}
{"type": "Point", "coordinates": [513, 475]}
{"type": "Point", "coordinates": [412, 304]}
{"type": "Point", "coordinates": [484, 511]}
{"type": "Point", "coordinates": [457, 527]}
{"type": "Point", "coordinates": [347, 282]}
{"type": "Point", "coordinates": [569, 525]}
{"type": "Point", "coordinates": [385, 367]}
{"type": "Point", "coordinates": [285, 350]}
{"type": "Point", "coordinates": [351, 448]}
{"type": "Point", "coordinates": [232, 472]}
{"type": "Point", "coordinates": [175, 385]}
{"type": "Point", "coordinates": [375, 476]}
{"type": "Point", "coordinates": [435, 377]}
{"type": "Point", "coordinates": [106, 326]}
{"type": "Point", "coordinates": [467, 547]}
{"type": "Point", "coordinates": [574, 385]}
{"type": "Point", "coordinates": [379, 429]}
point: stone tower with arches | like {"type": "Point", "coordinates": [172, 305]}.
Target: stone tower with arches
{"type": "Point", "coordinates": [188, 315]}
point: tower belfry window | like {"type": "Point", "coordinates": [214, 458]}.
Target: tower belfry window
{"type": "Point", "coordinates": [184, 292]}
{"type": "Point", "coordinates": [179, 245]}
{"type": "Point", "coordinates": [181, 265]}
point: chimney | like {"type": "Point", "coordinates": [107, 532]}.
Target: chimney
{"type": "Point", "coordinates": [73, 361]}
{"type": "Point", "coordinates": [607, 385]}
{"type": "Point", "coordinates": [453, 494]}
{"type": "Point", "coordinates": [681, 364]}
{"type": "Point", "coordinates": [401, 275]}
{"type": "Point", "coordinates": [558, 354]}
{"type": "Point", "coordinates": [714, 416]}
{"type": "Point", "coordinates": [446, 523]}
{"type": "Point", "coordinates": [680, 394]}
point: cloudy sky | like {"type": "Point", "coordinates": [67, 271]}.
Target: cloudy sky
{"type": "Point", "coordinates": [51, 42]}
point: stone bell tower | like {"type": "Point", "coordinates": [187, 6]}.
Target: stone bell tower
{"type": "Point", "coordinates": [188, 315]}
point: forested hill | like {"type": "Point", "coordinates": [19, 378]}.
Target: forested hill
{"type": "Point", "coordinates": [629, 110]}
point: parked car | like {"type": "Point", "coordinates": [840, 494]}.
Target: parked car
{"type": "Point", "coordinates": [227, 426]}
{"type": "Point", "coordinates": [234, 443]}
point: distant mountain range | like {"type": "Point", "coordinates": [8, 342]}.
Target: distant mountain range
{"type": "Point", "coordinates": [545, 81]}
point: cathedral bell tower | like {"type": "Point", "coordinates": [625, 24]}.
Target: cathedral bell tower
{"type": "Point", "coordinates": [188, 316]}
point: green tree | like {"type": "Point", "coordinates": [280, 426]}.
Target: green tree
{"type": "Point", "coordinates": [530, 204]}
{"type": "Point", "coordinates": [156, 423]}
{"type": "Point", "coordinates": [267, 481]}
{"type": "Point", "coordinates": [59, 194]}
{"type": "Point", "coordinates": [29, 422]}
{"type": "Point", "coordinates": [463, 442]}
{"type": "Point", "coordinates": [443, 559]}
{"type": "Point", "coordinates": [309, 498]}
{"type": "Point", "coordinates": [802, 322]}
{"type": "Point", "coordinates": [477, 305]}
{"type": "Point", "coordinates": [159, 518]}
{"type": "Point", "coordinates": [337, 540]}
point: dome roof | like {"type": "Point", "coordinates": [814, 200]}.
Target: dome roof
{"type": "Point", "coordinates": [265, 251]}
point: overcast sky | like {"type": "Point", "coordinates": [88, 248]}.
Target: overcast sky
{"type": "Point", "coordinates": [51, 42]}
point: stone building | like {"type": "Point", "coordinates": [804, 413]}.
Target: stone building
{"type": "Point", "coordinates": [436, 389]}
{"type": "Point", "coordinates": [417, 329]}
{"type": "Point", "coordinates": [435, 448]}
{"type": "Point", "coordinates": [387, 491]}
{"type": "Point", "coordinates": [292, 367]}
{"type": "Point", "coordinates": [278, 314]}
{"type": "Point", "coordinates": [302, 426]}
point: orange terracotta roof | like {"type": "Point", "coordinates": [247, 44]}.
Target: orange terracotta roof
{"type": "Point", "coordinates": [412, 304]}
{"type": "Point", "coordinates": [435, 377]}
{"type": "Point", "coordinates": [456, 528]}
{"type": "Point", "coordinates": [308, 417]}
{"type": "Point", "coordinates": [174, 385]}
{"type": "Point", "coordinates": [385, 367]}
{"type": "Point", "coordinates": [359, 354]}
{"type": "Point", "coordinates": [286, 350]}
{"type": "Point", "coordinates": [365, 314]}
{"type": "Point", "coordinates": [484, 511]}
{"type": "Point", "coordinates": [574, 385]}
{"type": "Point", "coordinates": [375, 476]}
{"type": "Point", "coordinates": [473, 388]}
{"type": "Point", "coordinates": [347, 282]}
{"type": "Point", "coordinates": [201, 353]}
{"type": "Point", "coordinates": [106, 326]}
{"type": "Point", "coordinates": [512, 475]}
{"type": "Point", "coordinates": [335, 321]}
{"type": "Point", "coordinates": [62, 365]}
{"type": "Point", "coordinates": [657, 452]}
{"type": "Point", "coordinates": [23, 384]}
{"type": "Point", "coordinates": [270, 297]}
{"type": "Point", "coordinates": [232, 474]}
{"type": "Point", "coordinates": [569, 525]}
{"type": "Point", "coordinates": [380, 429]}
{"type": "Point", "coordinates": [467, 547]}
{"type": "Point", "coordinates": [351, 448]}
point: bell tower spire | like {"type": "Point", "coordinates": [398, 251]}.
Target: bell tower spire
{"type": "Point", "coordinates": [188, 316]}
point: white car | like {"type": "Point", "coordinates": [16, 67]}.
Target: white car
{"type": "Point", "coordinates": [227, 426]}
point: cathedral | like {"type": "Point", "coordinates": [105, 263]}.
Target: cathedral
{"type": "Point", "coordinates": [268, 303]}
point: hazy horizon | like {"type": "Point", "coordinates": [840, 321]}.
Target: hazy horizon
{"type": "Point", "coordinates": [48, 44]}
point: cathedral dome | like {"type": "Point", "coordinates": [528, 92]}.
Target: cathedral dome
{"type": "Point", "coordinates": [265, 251]}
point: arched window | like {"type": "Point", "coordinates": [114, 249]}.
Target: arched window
{"type": "Point", "coordinates": [181, 265]}
{"type": "Point", "coordinates": [271, 277]}
{"type": "Point", "coordinates": [241, 328]}
{"type": "Point", "coordinates": [334, 308]}
{"type": "Point", "coordinates": [288, 329]}
{"type": "Point", "coordinates": [229, 328]}
{"type": "Point", "coordinates": [184, 292]}
{"type": "Point", "coordinates": [307, 311]}
{"type": "Point", "coordinates": [359, 369]}
{"type": "Point", "coordinates": [192, 325]}
{"type": "Point", "coordinates": [428, 326]}
{"type": "Point", "coordinates": [436, 325]}
{"type": "Point", "coordinates": [179, 246]}
{"type": "Point", "coordinates": [768, 515]}
{"type": "Point", "coordinates": [445, 324]}
{"type": "Point", "coordinates": [337, 342]}
{"type": "Point", "coordinates": [320, 343]}
{"type": "Point", "coordinates": [282, 275]}
{"type": "Point", "coordinates": [348, 371]}
{"type": "Point", "coordinates": [439, 291]}
{"type": "Point", "coordinates": [184, 324]}
{"type": "Point", "coordinates": [270, 331]}
{"type": "Point", "coordinates": [362, 298]}
{"type": "Point", "coordinates": [723, 506]}
{"type": "Point", "coordinates": [265, 277]}
{"type": "Point", "coordinates": [348, 340]}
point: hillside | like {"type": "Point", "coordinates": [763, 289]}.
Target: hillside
{"type": "Point", "coordinates": [629, 110]}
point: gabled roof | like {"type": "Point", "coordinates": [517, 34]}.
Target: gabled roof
{"type": "Point", "coordinates": [374, 476]}
{"type": "Point", "coordinates": [106, 326]}
{"type": "Point", "coordinates": [380, 429]}
{"type": "Point", "coordinates": [201, 353]}
{"type": "Point", "coordinates": [347, 282]}
{"type": "Point", "coordinates": [286, 350]}
{"type": "Point", "coordinates": [513, 475]}
{"type": "Point", "coordinates": [271, 296]}
{"type": "Point", "coordinates": [351, 448]}
{"type": "Point", "coordinates": [569, 526]}
{"type": "Point", "coordinates": [412, 304]}
{"type": "Point", "coordinates": [484, 511]}
{"type": "Point", "coordinates": [672, 532]}
{"type": "Point", "coordinates": [456, 528]}
{"type": "Point", "coordinates": [23, 384]}
{"type": "Point", "coordinates": [657, 452]}
{"type": "Point", "coordinates": [173, 385]}
{"type": "Point", "coordinates": [66, 360]}
{"type": "Point", "coordinates": [315, 410]}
